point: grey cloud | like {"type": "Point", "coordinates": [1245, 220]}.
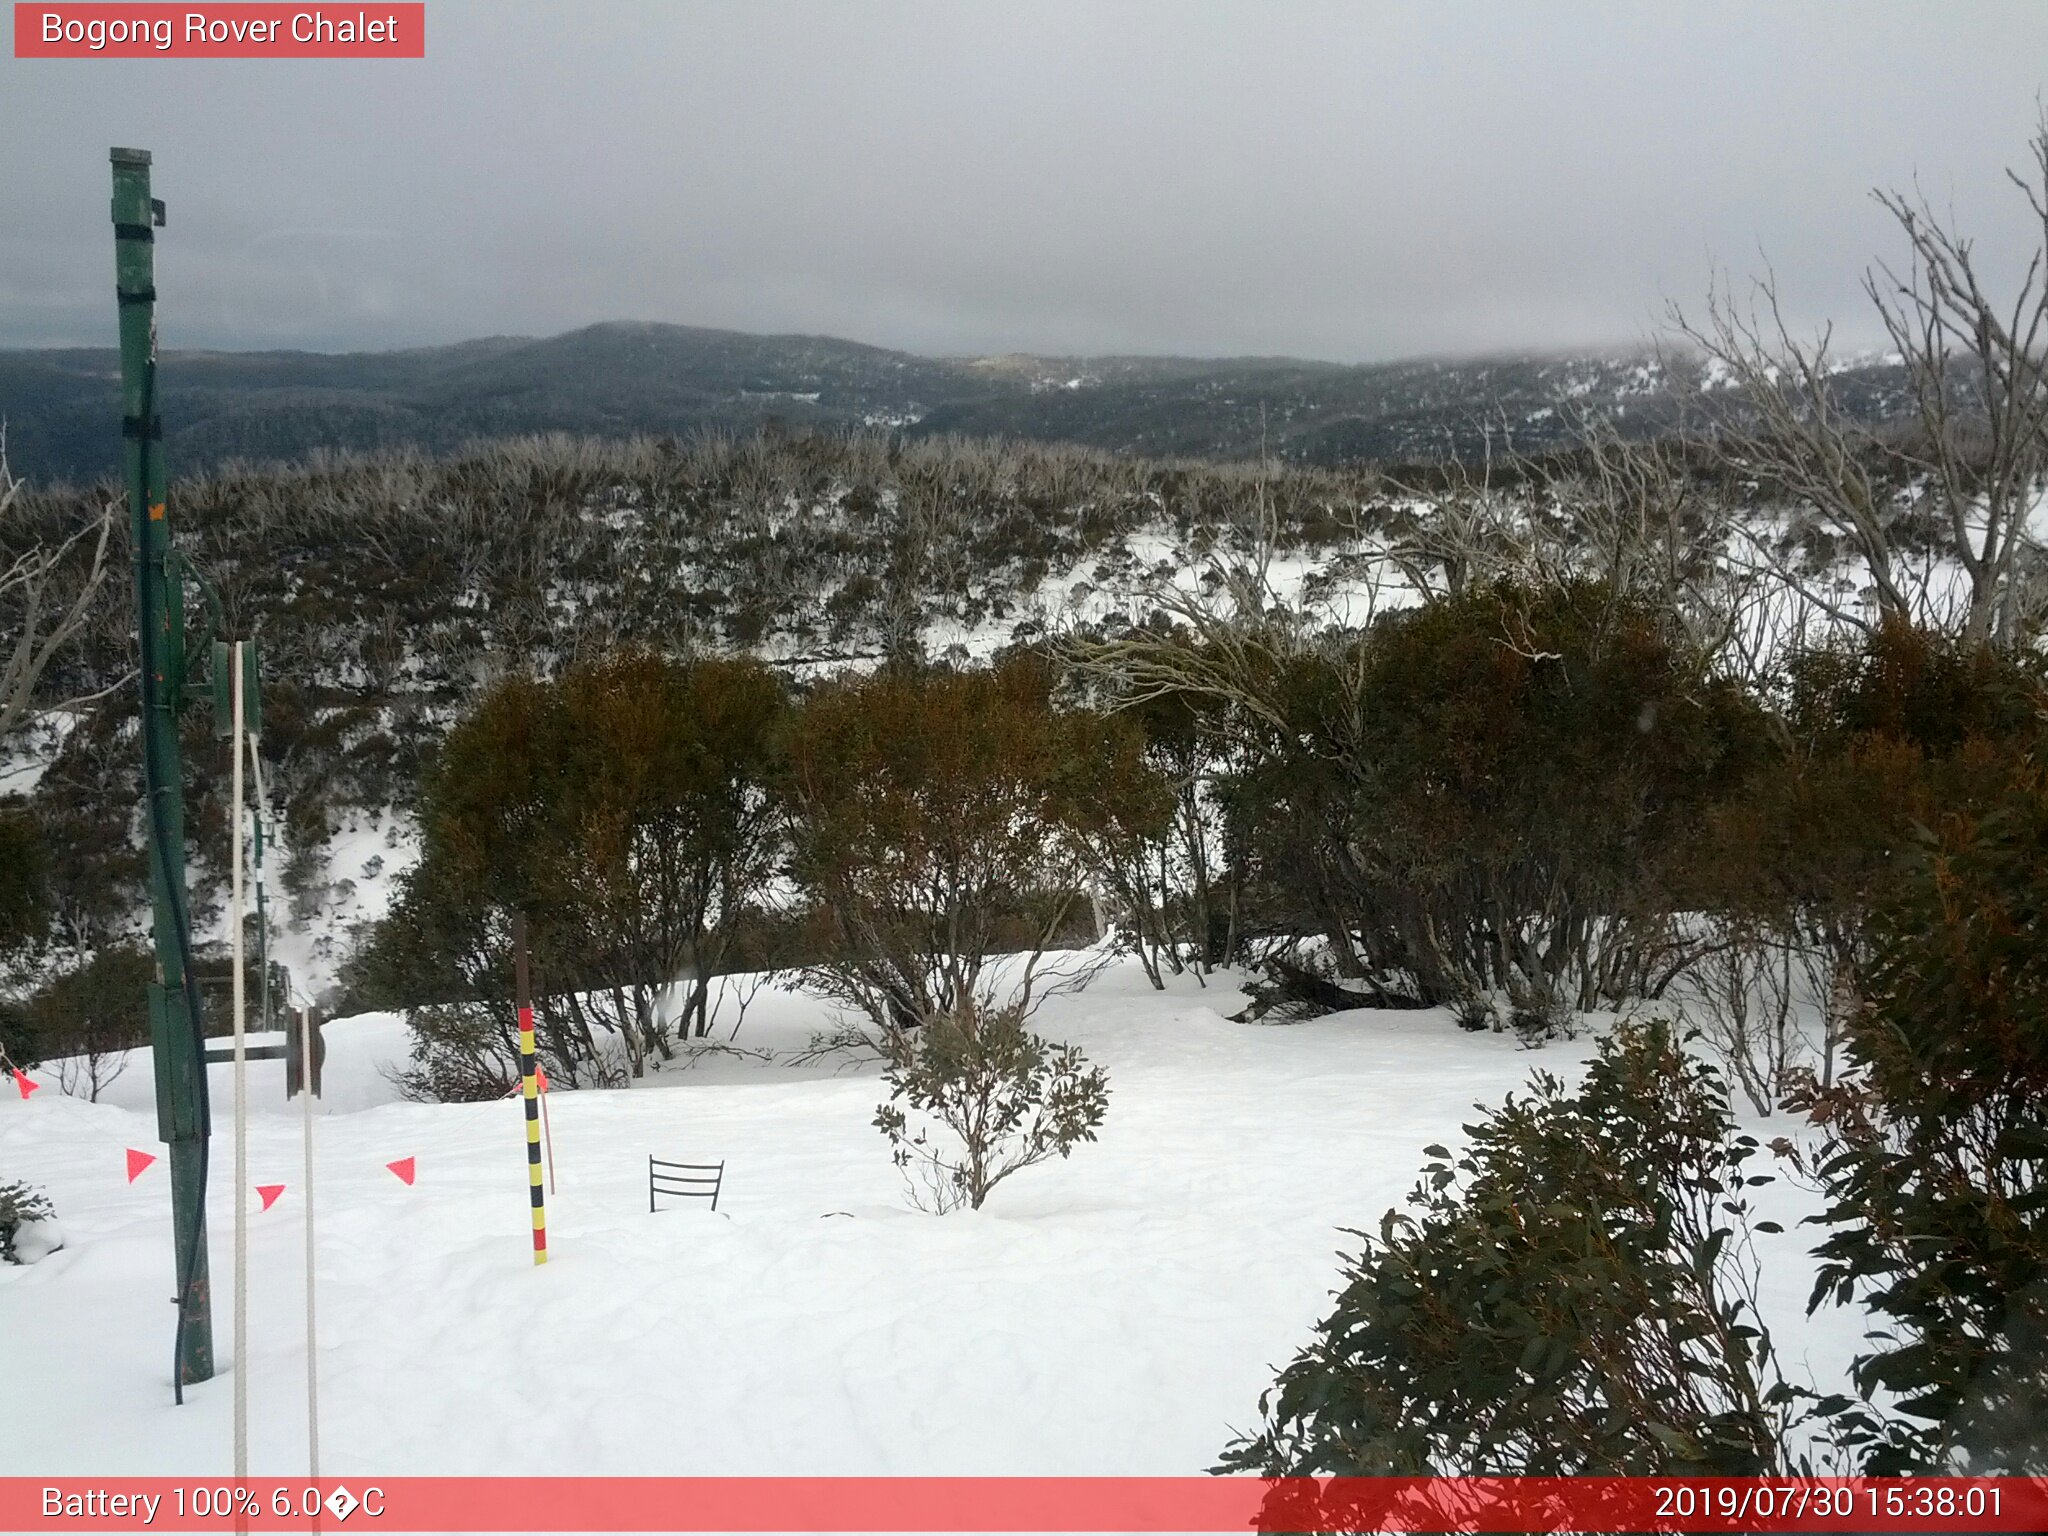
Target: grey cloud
{"type": "Point", "coordinates": [1348, 181]}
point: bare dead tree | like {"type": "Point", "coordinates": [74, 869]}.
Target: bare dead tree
{"type": "Point", "coordinates": [1744, 991]}
{"type": "Point", "coordinates": [1231, 636]}
{"type": "Point", "coordinates": [1632, 514]}
{"type": "Point", "coordinates": [92, 1071]}
{"type": "Point", "coordinates": [1467, 530]}
{"type": "Point", "coordinates": [39, 610]}
{"type": "Point", "coordinates": [1977, 373]}
{"type": "Point", "coordinates": [1978, 369]}
{"type": "Point", "coordinates": [1781, 422]}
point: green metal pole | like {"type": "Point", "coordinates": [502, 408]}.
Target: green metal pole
{"type": "Point", "coordinates": [183, 1117]}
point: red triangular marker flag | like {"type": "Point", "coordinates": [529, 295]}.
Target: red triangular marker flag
{"type": "Point", "coordinates": [137, 1161]}
{"type": "Point", "coordinates": [25, 1083]}
{"type": "Point", "coordinates": [269, 1192]}
{"type": "Point", "coordinates": [403, 1168]}
{"type": "Point", "coordinates": [540, 1073]}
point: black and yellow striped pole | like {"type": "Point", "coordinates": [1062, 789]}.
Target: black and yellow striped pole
{"type": "Point", "coordinates": [530, 1085]}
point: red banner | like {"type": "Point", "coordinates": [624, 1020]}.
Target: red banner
{"type": "Point", "coordinates": [262, 31]}
{"type": "Point", "coordinates": [1016, 1504]}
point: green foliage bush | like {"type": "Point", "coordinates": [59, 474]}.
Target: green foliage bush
{"type": "Point", "coordinates": [19, 1048]}
{"type": "Point", "coordinates": [19, 1204]}
{"type": "Point", "coordinates": [1573, 1295]}
{"type": "Point", "coordinates": [1161, 860]}
{"type": "Point", "coordinates": [24, 883]}
{"type": "Point", "coordinates": [1876, 738]}
{"type": "Point", "coordinates": [1006, 1098]}
{"type": "Point", "coordinates": [1936, 1165]}
{"type": "Point", "coordinates": [628, 810]}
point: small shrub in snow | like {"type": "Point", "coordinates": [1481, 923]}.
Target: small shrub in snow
{"type": "Point", "coordinates": [1571, 1296]}
{"type": "Point", "coordinates": [1538, 1020]}
{"type": "Point", "coordinates": [459, 1055]}
{"type": "Point", "coordinates": [1534, 1018]}
{"type": "Point", "coordinates": [21, 1207]}
{"type": "Point", "coordinates": [1476, 1011]}
{"type": "Point", "coordinates": [1293, 987]}
{"type": "Point", "coordinates": [974, 1097]}
{"type": "Point", "coordinates": [89, 1019]}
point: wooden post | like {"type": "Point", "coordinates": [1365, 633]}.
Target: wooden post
{"type": "Point", "coordinates": [547, 1132]}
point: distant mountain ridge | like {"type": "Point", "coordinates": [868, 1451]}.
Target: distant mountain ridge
{"type": "Point", "coordinates": [627, 378]}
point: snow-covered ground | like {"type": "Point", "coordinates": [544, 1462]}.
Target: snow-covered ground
{"type": "Point", "coordinates": [1116, 1313]}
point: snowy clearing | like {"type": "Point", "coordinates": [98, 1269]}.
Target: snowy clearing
{"type": "Point", "coordinates": [1116, 1314]}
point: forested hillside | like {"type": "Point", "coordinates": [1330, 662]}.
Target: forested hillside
{"type": "Point", "coordinates": [388, 589]}
{"type": "Point", "coordinates": [619, 380]}
{"type": "Point", "coordinates": [1723, 743]}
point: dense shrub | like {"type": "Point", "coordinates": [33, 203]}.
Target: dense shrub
{"type": "Point", "coordinates": [24, 890]}
{"type": "Point", "coordinates": [1878, 737]}
{"type": "Point", "coordinates": [1495, 793]}
{"type": "Point", "coordinates": [1936, 1165]}
{"type": "Point", "coordinates": [628, 810]}
{"type": "Point", "coordinates": [460, 1054]}
{"type": "Point", "coordinates": [1913, 685]}
{"type": "Point", "coordinates": [1163, 867]}
{"type": "Point", "coordinates": [1570, 1296]}
{"type": "Point", "coordinates": [19, 1049]}
{"type": "Point", "coordinates": [941, 820]}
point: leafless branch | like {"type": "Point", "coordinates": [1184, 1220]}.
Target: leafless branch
{"type": "Point", "coordinates": [40, 609]}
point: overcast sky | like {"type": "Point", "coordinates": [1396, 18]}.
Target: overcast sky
{"type": "Point", "coordinates": [1351, 181]}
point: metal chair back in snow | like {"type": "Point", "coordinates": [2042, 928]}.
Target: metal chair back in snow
{"type": "Point", "coordinates": [684, 1181]}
